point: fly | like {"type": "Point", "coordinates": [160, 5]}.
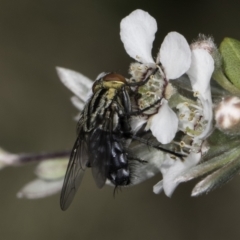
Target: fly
{"type": "Point", "coordinates": [103, 136]}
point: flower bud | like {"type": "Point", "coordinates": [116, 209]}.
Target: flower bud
{"type": "Point", "coordinates": [207, 43]}
{"type": "Point", "coordinates": [227, 115]}
{"type": "Point", "coordinates": [204, 42]}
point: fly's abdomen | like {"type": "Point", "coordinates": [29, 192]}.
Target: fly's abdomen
{"type": "Point", "coordinates": [108, 158]}
{"type": "Point", "coordinates": [119, 173]}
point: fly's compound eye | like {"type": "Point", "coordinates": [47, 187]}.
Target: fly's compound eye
{"type": "Point", "coordinates": [96, 86]}
{"type": "Point", "coordinates": [114, 77]}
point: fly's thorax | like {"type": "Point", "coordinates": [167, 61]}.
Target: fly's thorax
{"type": "Point", "coordinates": [108, 105]}
{"type": "Point", "coordinates": [103, 110]}
{"type": "Point", "coordinates": [115, 121]}
{"type": "Point", "coordinates": [94, 110]}
{"type": "Point", "coordinates": [117, 85]}
{"type": "Point", "coordinates": [111, 94]}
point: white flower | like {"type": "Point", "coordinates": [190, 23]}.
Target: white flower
{"type": "Point", "coordinates": [137, 34]}
{"type": "Point", "coordinates": [165, 117]}
{"type": "Point", "coordinates": [50, 175]}
{"type": "Point", "coordinates": [194, 119]}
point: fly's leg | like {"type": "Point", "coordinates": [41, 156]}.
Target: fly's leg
{"type": "Point", "coordinates": [144, 81]}
{"type": "Point", "coordinates": [148, 143]}
{"type": "Point", "coordinates": [140, 111]}
{"type": "Point", "coordinates": [137, 159]}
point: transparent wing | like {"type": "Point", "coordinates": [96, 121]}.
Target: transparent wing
{"type": "Point", "coordinates": [100, 155]}
{"type": "Point", "coordinates": [74, 174]}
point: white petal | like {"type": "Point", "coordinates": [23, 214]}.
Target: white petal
{"type": "Point", "coordinates": [172, 169]}
{"type": "Point", "coordinates": [164, 124]}
{"type": "Point", "coordinates": [52, 169]}
{"type": "Point", "coordinates": [77, 102]}
{"type": "Point", "coordinates": [40, 189]}
{"type": "Point", "coordinates": [137, 32]}
{"type": "Point", "coordinates": [157, 188]}
{"type": "Point", "coordinates": [79, 84]}
{"type": "Point", "coordinates": [200, 72]}
{"type": "Point", "coordinates": [175, 55]}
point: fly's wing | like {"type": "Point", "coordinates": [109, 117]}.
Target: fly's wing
{"type": "Point", "coordinates": [74, 174]}
{"type": "Point", "coordinates": [100, 155]}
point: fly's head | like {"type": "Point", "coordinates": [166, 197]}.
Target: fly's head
{"type": "Point", "coordinates": [109, 80]}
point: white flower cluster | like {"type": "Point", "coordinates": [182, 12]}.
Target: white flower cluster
{"type": "Point", "coordinates": [174, 59]}
{"type": "Point", "coordinates": [192, 119]}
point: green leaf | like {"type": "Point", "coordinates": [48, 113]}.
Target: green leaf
{"type": "Point", "coordinates": [218, 178]}
{"type": "Point", "coordinates": [230, 51]}
{"type": "Point", "coordinates": [207, 167]}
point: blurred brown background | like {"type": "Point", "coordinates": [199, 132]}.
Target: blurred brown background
{"type": "Point", "coordinates": [36, 114]}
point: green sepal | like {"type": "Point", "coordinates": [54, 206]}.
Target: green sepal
{"type": "Point", "coordinates": [219, 177]}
